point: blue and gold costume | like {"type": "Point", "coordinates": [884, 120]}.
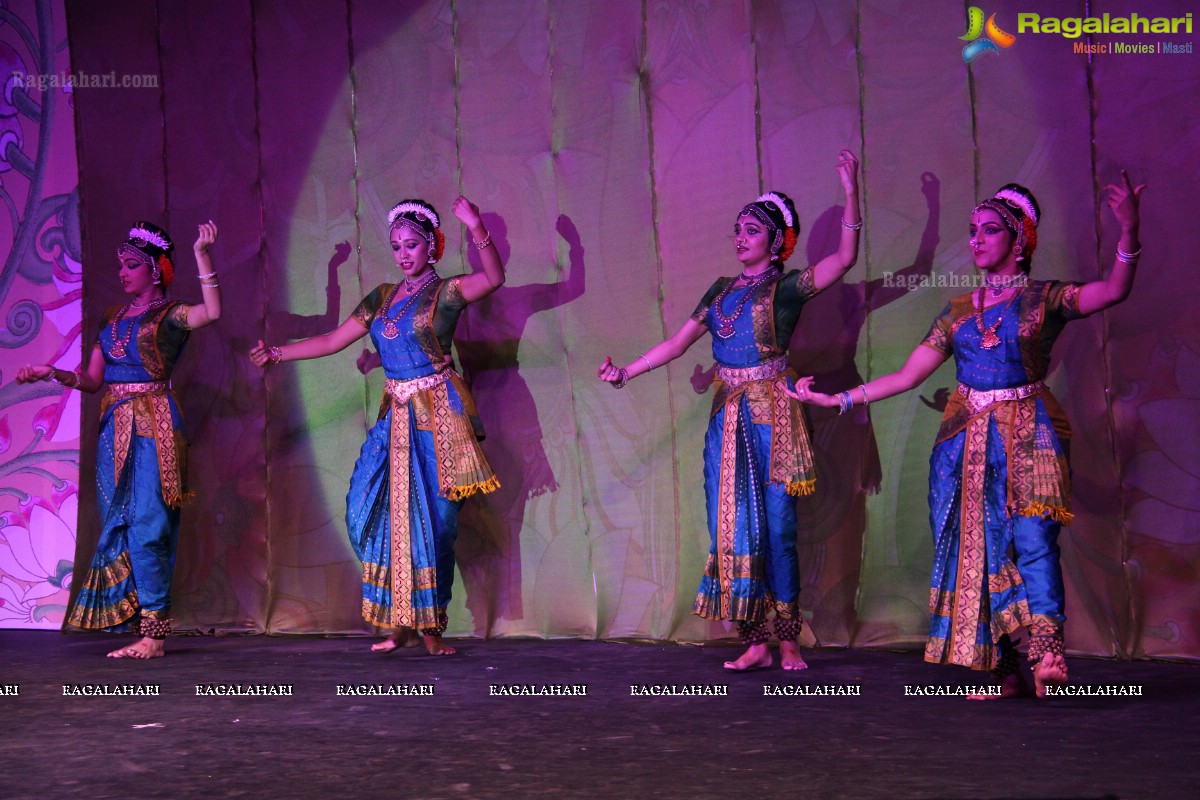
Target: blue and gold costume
{"type": "Point", "coordinates": [141, 470]}
{"type": "Point", "coordinates": [999, 481]}
{"type": "Point", "coordinates": [757, 455]}
{"type": "Point", "coordinates": [419, 462]}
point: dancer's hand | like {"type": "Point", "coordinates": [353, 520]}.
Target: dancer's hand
{"type": "Point", "coordinates": [261, 355]}
{"type": "Point", "coordinates": [611, 373]}
{"type": "Point", "coordinates": [32, 374]}
{"type": "Point", "coordinates": [206, 234]}
{"type": "Point", "coordinates": [805, 394]}
{"type": "Point", "coordinates": [369, 360]}
{"type": "Point", "coordinates": [467, 212]}
{"type": "Point", "coordinates": [1125, 201]}
{"type": "Point", "coordinates": [847, 170]}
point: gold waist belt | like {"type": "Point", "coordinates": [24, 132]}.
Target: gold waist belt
{"type": "Point", "coordinates": [736, 376]}
{"type": "Point", "coordinates": [123, 391]}
{"type": "Point", "coordinates": [978, 400]}
{"type": "Point", "coordinates": [402, 391]}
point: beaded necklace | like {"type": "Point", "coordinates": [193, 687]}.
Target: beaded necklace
{"type": "Point", "coordinates": [725, 329]}
{"type": "Point", "coordinates": [390, 329]}
{"type": "Point", "coordinates": [121, 343]}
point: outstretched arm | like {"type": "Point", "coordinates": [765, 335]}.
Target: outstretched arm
{"type": "Point", "coordinates": [662, 353]}
{"type": "Point", "coordinates": [1125, 200]}
{"type": "Point", "coordinates": [209, 311]}
{"type": "Point", "coordinates": [326, 344]}
{"type": "Point", "coordinates": [490, 277]}
{"type": "Point", "coordinates": [831, 268]}
{"type": "Point", "coordinates": [920, 365]}
{"type": "Point", "coordinates": [86, 380]}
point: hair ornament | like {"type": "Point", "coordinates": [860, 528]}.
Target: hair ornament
{"type": "Point", "coordinates": [167, 270]}
{"type": "Point", "coordinates": [420, 211]}
{"type": "Point", "coordinates": [771, 197]}
{"type": "Point", "coordinates": [789, 245]}
{"type": "Point", "coordinates": [1020, 201]}
{"type": "Point", "coordinates": [143, 237]}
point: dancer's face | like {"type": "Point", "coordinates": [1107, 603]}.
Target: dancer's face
{"type": "Point", "coordinates": [134, 275]}
{"type": "Point", "coordinates": [410, 250]}
{"type": "Point", "coordinates": [751, 240]}
{"type": "Point", "coordinates": [992, 245]}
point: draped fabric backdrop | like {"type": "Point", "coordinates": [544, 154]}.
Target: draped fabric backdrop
{"type": "Point", "coordinates": [41, 293]}
{"type": "Point", "coordinates": [611, 145]}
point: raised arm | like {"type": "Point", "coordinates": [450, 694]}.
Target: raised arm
{"type": "Point", "coordinates": [1125, 200]}
{"type": "Point", "coordinates": [922, 363]}
{"type": "Point", "coordinates": [662, 353]}
{"type": "Point", "coordinates": [326, 344]}
{"type": "Point", "coordinates": [831, 268]}
{"type": "Point", "coordinates": [490, 277]}
{"type": "Point", "coordinates": [209, 311]}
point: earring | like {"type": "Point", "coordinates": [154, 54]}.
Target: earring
{"type": "Point", "coordinates": [156, 275]}
{"type": "Point", "coordinates": [1020, 254]}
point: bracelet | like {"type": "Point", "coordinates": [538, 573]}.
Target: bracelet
{"type": "Point", "coordinates": [274, 355]}
{"type": "Point", "coordinates": [851, 226]}
{"type": "Point", "coordinates": [207, 275]}
{"type": "Point", "coordinates": [210, 284]}
{"type": "Point", "coordinates": [1129, 258]}
{"type": "Point", "coordinates": [845, 402]}
{"type": "Point", "coordinates": [648, 364]}
{"type": "Point", "coordinates": [486, 241]}
{"type": "Point", "coordinates": [71, 382]}
{"type": "Point", "coordinates": [622, 379]}
{"type": "Point", "coordinates": [863, 388]}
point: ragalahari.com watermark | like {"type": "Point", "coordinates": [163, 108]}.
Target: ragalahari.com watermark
{"type": "Point", "coordinates": [81, 80]}
{"type": "Point", "coordinates": [897, 280]}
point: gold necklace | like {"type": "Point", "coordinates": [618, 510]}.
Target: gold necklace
{"type": "Point", "coordinates": [121, 343]}
{"type": "Point", "coordinates": [989, 339]}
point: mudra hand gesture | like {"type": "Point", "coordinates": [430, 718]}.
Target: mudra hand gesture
{"type": "Point", "coordinates": [611, 373]}
{"type": "Point", "coordinates": [32, 374]}
{"type": "Point", "coordinates": [1125, 200]}
{"type": "Point", "coordinates": [467, 212]}
{"type": "Point", "coordinates": [206, 235]}
{"type": "Point", "coordinates": [261, 355]}
{"type": "Point", "coordinates": [805, 394]}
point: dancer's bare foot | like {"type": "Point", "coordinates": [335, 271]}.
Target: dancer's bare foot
{"type": "Point", "coordinates": [757, 656]}
{"type": "Point", "coordinates": [437, 646]}
{"type": "Point", "coordinates": [1050, 671]}
{"type": "Point", "coordinates": [789, 656]}
{"type": "Point", "coordinates": [143, 648]}
{"type": "Point", "coordinates": [1011, 686]}
{"type": "Point", "coordinates": [389, 644]}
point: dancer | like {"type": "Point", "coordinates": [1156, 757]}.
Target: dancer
{"type": "Point", "coordinates": [757, 456]}
{"type": "Point", "coordinates": [422, 458]}
{"type": "Point", "coordinates": [998, 480]}
{"type": "Point", "coordinates": [141, 469]}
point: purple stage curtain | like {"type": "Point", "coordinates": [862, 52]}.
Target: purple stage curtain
{"type": "Point", "coordinates": [610, 145]}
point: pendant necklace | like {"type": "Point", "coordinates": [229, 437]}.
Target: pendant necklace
{"type": "Point", "coordinates": [990, 339]}
{"type": "Point", "coordinates": [121, 343]}
{"type": "Point", "coordinates": [390, 329]}
{"type": "Point", "coordinates": [725, 327]}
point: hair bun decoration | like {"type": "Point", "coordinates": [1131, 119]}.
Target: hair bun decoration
{"type": "Point", "coordinates": [167, 270]}
{"type": "Point", "coordinates": [789, 245]}
{"type": "Point", "coordinates": [777, 201]}
{"type": "Point", "coordinates": [140, 236]}
{"type": "Point", "coordinates": [1021, 201]}
{"type": "Point", "coordinates": [1030, 236]}
{"type": "Point", "coordinates": [421, 211]}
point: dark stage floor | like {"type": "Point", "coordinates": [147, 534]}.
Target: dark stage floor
{"type": "Point", "coordinates": [464, 742]}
